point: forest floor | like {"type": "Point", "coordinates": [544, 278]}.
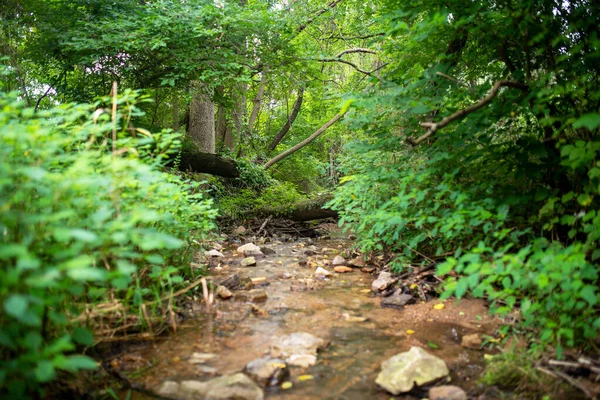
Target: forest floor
{"type": "Point", "coordinates": [287, 297]}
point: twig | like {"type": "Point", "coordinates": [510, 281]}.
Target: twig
{"type": "Point", "coordinates": [264, 224]}
{"type": "Point", "coordinates": [340, 60]}
{"type": "Point", "coordinates": [571, 381]}
{"type": "Point", "coordinates": [114, 118]}
{"type": "Point", "coordinates": [317, 14]}
{"type": "Point", "coordinates": [434, 126]}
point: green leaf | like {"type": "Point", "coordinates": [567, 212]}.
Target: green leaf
{"type": "Point", "coordinates": [588, 293]}
{"type": "Point", "coordinates": [590, 121]}
{"type": "Point", "coordinates": [461, 288]}
{"type": "Point", "coordinates": [44, 371]}
{"type": "Point", "coordinates": [75, 363]}
{"type": "Point", "coordinates": [16, 305]}
{"type": "Point", "coordinates": [83, 336]}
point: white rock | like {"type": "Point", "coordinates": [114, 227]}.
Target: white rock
{"type": "Point", "coordinates": [382, 282]}
{"type": "Point", "coordinates": [214, 253]}
{"type": "Point", "coordinates": [320, 271]}
{"type": "Point", "coordinates": [248, 262]}
{"type": "Point", "coordinates": [338, 260]}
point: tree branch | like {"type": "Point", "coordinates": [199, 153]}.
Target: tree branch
{"type": "Point", "coordinates": [303, 143]}
{"type": "Point", "coordinates": [340, 60]}
{"type": "Point", "coordinates": [288, 124]}
{"type": "Point", "coordinates": [356, 50]}
{"type": "Point", "coordinates": [317, 14]}
{"type": "Point", "coordinates": [434, 126]}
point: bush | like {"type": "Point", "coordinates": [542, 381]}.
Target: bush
{"type": "Point", "coordinates": [80, 225]}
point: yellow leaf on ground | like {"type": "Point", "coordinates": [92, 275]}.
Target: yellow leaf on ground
{"type": "Point", "coordinates": [176, 359]}
{"type": "Point", "coordinates": [305, 378]}
{"type": "Point", "coordinates": [366, 291]}
{"type": "Point", "coordinates": [287, 385]}
{"type": "Point", "coordinates": [414, 285]}
{"type": "Point", "coordinates": [409, 331]}
{"type": "Point", "coordinates": [439, 306]}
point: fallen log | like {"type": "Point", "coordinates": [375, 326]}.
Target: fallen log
{"type": "Point", "coordinates": [190, 159]}
{"type": "Point", "coordinates": [307, 210]}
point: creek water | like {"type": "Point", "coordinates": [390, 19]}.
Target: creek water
{"type": "Point", "coordinates": [340, 309]}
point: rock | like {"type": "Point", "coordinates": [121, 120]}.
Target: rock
{"type": "Point", "coordinates": [227, 387]}
{"type": "Point", "coordinates": [302, 360]}
{"type": "Point", "coordinates": [248, 262]}
{"type": "Point", "coordinates": [201, 358]}
{"type": "Point", "coordinates": [240, 230]}
{"type": "Point", "coordinates": [232, 282]}
{"type": "Point", "coordinates": [447, 392]}
{"type": "Point", "coordinates": [267, 251]}
{"type": "Point", "coordinates": [397, 300]}
{"type": "Point", "coordinates": [299, 348]}
{"type": "Point", "coordinates": [357, 262]}
{"type": "Point", "coordinates": [249, 249]}
{"type": "Point", "coordinates": [320, 271]}
{"type": "Point", "coordinates": [471, 341]}
{"type": "Point", "coordinates": [338, 260]}
{"type": "Point", "coordinates": [217, 246]}
{"type": "Point", "coordinates": [303, 285]}
{"type": "Point", "coordinates": [384, 280]}
{"type": "Point", "coordinates": [400, 373]}
{"type": "Point", "coordinates": [367, 270]}
{"type": "Point", "coordinates": [214, 253]}
{"type": "Point", "coordinates": [252, 296]}
{"type": "Point", "coordinates": [352, 237]}
{"type": "Point", "coordinates": [342, 269]}
{"type": "Point", "coordinates": [267, 371]}
{"type": "Point", "coordinates": [223, 292]}
{"type": "Point", "coordinates": [258, 311]}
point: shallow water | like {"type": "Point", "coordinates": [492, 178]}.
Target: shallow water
{"type": "Point", "coordinates": [347, 368]}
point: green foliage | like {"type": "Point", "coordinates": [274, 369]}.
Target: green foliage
{"type": "Point", "coordinates": [80, 223]}
{"type": "Point", "coordinates": [511, 190]}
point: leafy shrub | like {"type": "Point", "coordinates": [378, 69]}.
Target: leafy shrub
{"type": "Point", "coordinates": [80, 225]}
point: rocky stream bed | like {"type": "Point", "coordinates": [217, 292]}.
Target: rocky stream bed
{"type": "Point", "coordinates": [286, 325]}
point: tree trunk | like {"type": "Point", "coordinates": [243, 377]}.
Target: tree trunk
{"type": "Point", "coordinates": [303, 143]}
{"type": "Point", "coordinates": [257, 101]}
{"type": "Point", "coordinates": [201, 128]}
{"type": "Point", "coordinates": [224, 133]}
{"type": "Point", "coordinates": [288, 124]}
{"type": "Point", "coordinates": [190, 159]}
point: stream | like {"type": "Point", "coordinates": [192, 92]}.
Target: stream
{"type": "Point", "coordinates": [340, 309]}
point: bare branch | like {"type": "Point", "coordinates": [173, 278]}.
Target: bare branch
{"type": "Point", "coordinates": [317, 14]}
{"type": "Point", "coordinates": [356, 50]}
{"type": "Point", "coordinates": [303, 143]}
{"type": "Point", "coordinates": [356, 67]}
{"type": "Point", "coordinates": [288, 124]}
{"type": "Point", "coordinates": [434, 126]}
{"type": "Point", "coordinates": [354, 37]}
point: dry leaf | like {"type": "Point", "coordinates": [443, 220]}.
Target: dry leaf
{"type": "Point", "coordinates": [305, 378]}
{"type": "Point", "coordinates": [409, 331]}
{"type": "Point", "coordinates": [286, 385]}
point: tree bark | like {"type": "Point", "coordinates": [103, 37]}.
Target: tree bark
{"type": "Point", "coordinates": [288, 124]}
{"type": "Point", "coordinates": [306, 141]}
{"type": "Point", "coordinates": [201, 128]}
{"type": "Point", "coordinates": [257, 101]}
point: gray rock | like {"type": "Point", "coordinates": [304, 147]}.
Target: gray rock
{"type": "Point", "coordinates": [357, 262]}
{"type": "Point", "coordinates": [252, 296]}
{"type": "Point", "coordinates": [403, 371]}
{"type": "Point", "coordinates": [223, 292]}
{"type": "Point", "coordinates": [217, 246]}
{"type": "Point", "coordinates": [448, 392]}
{"type": "Point", "coordinates": [397, 300]}
{"type": "Point", "coordinates": [232, 282]}
{"type": "Point", "coordinates": [248, 262]}
{"type": "Point", "coordinates": [267, 371]}
{"type": "Point", "coordinates": [214, 253]}
{"type": "Point", "coordinates": [299, 348]}
{"type": "Point", "coordinates": [382, 282]}
{"type": "Point", "coordinates": [250, 249]}
{"type": "Point", "coordinates": [227, 387]}
{"type": "Point", "coordinates": [338, 260]}
{"type": "Point", "coordinates": [267, 251]}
